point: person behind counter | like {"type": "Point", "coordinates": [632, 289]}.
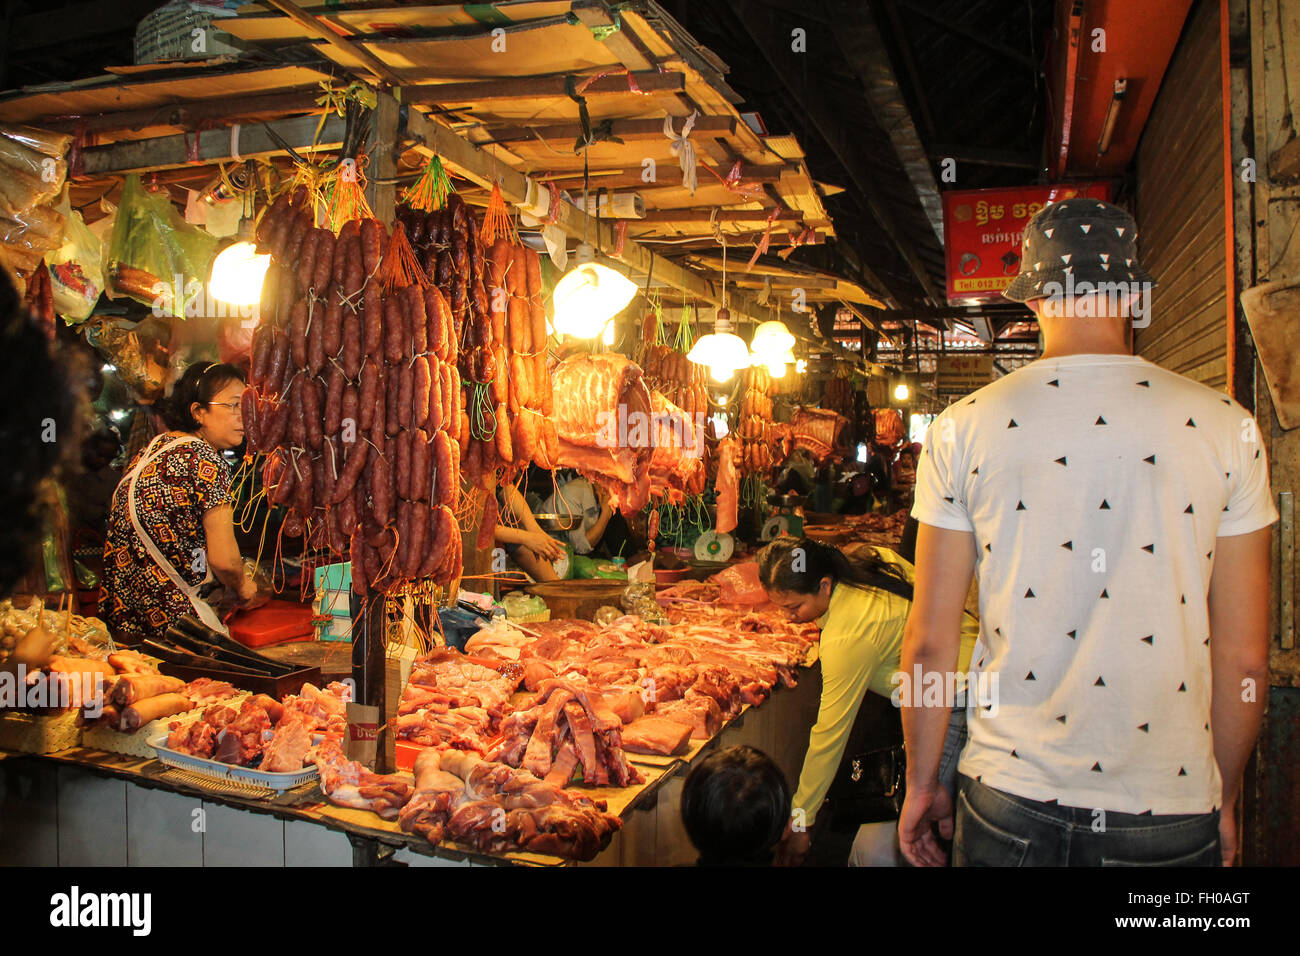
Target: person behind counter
{"type": "Point", "coordinates": [171, 525]}
{"type": "Point", "coordinates": [734, 806]}
{"type": "Point", "coordinates": [861, 602]}
{"type": "Point", "coordinates": [524, 540]}
{"type": "Point", "coordinates": [587, 519]}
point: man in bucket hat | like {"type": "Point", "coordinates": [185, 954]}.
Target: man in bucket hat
{"type": "Point", "coordinates": [1117, 516]}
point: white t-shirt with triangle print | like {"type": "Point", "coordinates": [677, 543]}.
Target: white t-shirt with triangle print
{"type": "Point", "coordinates": [1095, 487]}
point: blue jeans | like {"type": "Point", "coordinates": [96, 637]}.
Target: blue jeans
{"type": "Point", "coordinates": [995, 828]}
{"type": "Point", "coordinates": [876, 844]}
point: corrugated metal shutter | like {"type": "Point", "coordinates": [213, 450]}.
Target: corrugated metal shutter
{"type": "Point", "coordinates": [1180, 211]}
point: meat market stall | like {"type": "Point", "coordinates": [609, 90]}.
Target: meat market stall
{"type": "Point", "coordinates": [414, 201]}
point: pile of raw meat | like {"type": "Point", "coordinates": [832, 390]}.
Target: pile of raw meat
{"type": "Point", "coordinates": [600, 691]}
{"type": "Point", "coordinates": [513, 723]}
{"type": "Point", "coordinates": [454, 701]}
{"type": "Point", "coordinates": [274, 736]}
{"type": "Point", "coordinates": [494, 807]}
{"type": "Point", "coordinates": [848, 528]}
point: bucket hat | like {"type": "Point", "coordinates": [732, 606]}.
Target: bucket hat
{"type": "Point", "coordinates": [1077, 241]}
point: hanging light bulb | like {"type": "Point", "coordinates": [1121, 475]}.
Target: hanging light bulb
{"type": "Point", "coordinates": [238, 271]}
{"type": "Point", "coordinates": [776, 363]}
{"type": "Point", "coordinates": [589, 295]}
{"type": "Point", "coordinates": [771, 339]}
{"type": "Point", "coordinates": [901, 392]}
{"type": "Point", "coordinates": [721, 350]}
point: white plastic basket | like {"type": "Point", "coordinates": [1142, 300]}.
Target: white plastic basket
{"type": "Point", "coordinates": [224, 771]}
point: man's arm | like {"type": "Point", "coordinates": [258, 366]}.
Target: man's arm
{"type": "Point", "coordinates": [932, 641]}
{"type": "Point", "coordinates": [1238, 606]}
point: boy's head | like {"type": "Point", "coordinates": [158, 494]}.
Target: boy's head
{"type": "Point", "coordinates": [735, 805]}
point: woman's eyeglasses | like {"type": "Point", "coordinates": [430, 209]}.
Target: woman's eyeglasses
{"type": "Point", "coordinates": [233, 406]}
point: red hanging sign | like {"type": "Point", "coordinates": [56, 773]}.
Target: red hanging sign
{"type": "Point", "coordinates": [983, 229]}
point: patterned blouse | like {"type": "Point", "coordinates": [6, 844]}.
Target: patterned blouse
{"type": "Point", "coordinates": [173, 493]}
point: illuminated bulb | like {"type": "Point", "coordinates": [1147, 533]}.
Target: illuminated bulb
{"type": "Point", "coordinates": [776, 363]}
{"type": "Point", "coordinates": [721, 350]}
{"type": "Point", "coordinates": [770, 339]}
{"type": "Point", "coordinates": [801, 366]}
{"type": "Point", "coordinates": [608, 336]}
{"type": "Point", "coordinates": [901, 392]}
{"type": "Point", "coordinates": [589, 295]}
{"type": "Point", "coordinates": [237, 274]}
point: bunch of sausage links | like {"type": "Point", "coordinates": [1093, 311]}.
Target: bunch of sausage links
{"type": "Point", "coordinates": [754, 426]}
{"type": "Point", "coordinates": [355, 397]}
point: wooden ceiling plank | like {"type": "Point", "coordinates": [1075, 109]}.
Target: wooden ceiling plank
{"type": "Point", "coordinates": [314, 26]}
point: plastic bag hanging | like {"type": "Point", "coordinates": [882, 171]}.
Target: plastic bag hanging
{"type": "Point", "coordinates": [684, 149]}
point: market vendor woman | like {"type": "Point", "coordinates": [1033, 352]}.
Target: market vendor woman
{"type": "Point", "coordinates": [171, 527]}
{"type": "Point", "coordinates": [861, 602]}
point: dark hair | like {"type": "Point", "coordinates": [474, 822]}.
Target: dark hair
{"type": "Point", "coordinates": [735, 805]}
{"type": "Point", "coordinates": [40, 429]}
{"type": "Point", "coordinates": [200, 383]}
{"type": "Point", "coordinates": [798, 565]}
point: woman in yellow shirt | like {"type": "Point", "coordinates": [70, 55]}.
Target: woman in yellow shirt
{"type": "Point", "coordinates": [861, 602]}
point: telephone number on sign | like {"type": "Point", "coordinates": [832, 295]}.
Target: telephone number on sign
{"type": "Point", "coordinates": [982, 285]}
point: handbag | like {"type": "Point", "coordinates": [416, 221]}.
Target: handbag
{"type": "Point", "coordinates": [875, 785]}
{"type": "Point", "coordinates": [869, 783]}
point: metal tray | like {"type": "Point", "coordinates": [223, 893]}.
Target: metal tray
{"type": "Point", "coordinates": [224, 771]}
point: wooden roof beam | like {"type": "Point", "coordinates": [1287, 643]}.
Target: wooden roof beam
{"type": "Point", "coordinates": [534, 87]}
{"type": "Point", "coordinates": [723, 215]}
{"type": "Point", "coordinates": [668, 177]}
{"type": "Point", "coordinates": [168, 152]}
{"type": "Point", "coordinates": [628, 130]}
{"type": "Point", "coordinates": [189, 113]}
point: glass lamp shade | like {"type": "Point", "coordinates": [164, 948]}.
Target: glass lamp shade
{"type": "Point", "coordinates": [771, 338]}
{"type": "Point", "coordinates": [237, 274]}
{"type": "Point", "coordinates": [588, 296]}
{"type": "Point", "coordinates": [722, 352]}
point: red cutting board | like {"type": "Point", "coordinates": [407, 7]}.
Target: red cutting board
{"type": "Point", "coordinates": [276, 622]}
